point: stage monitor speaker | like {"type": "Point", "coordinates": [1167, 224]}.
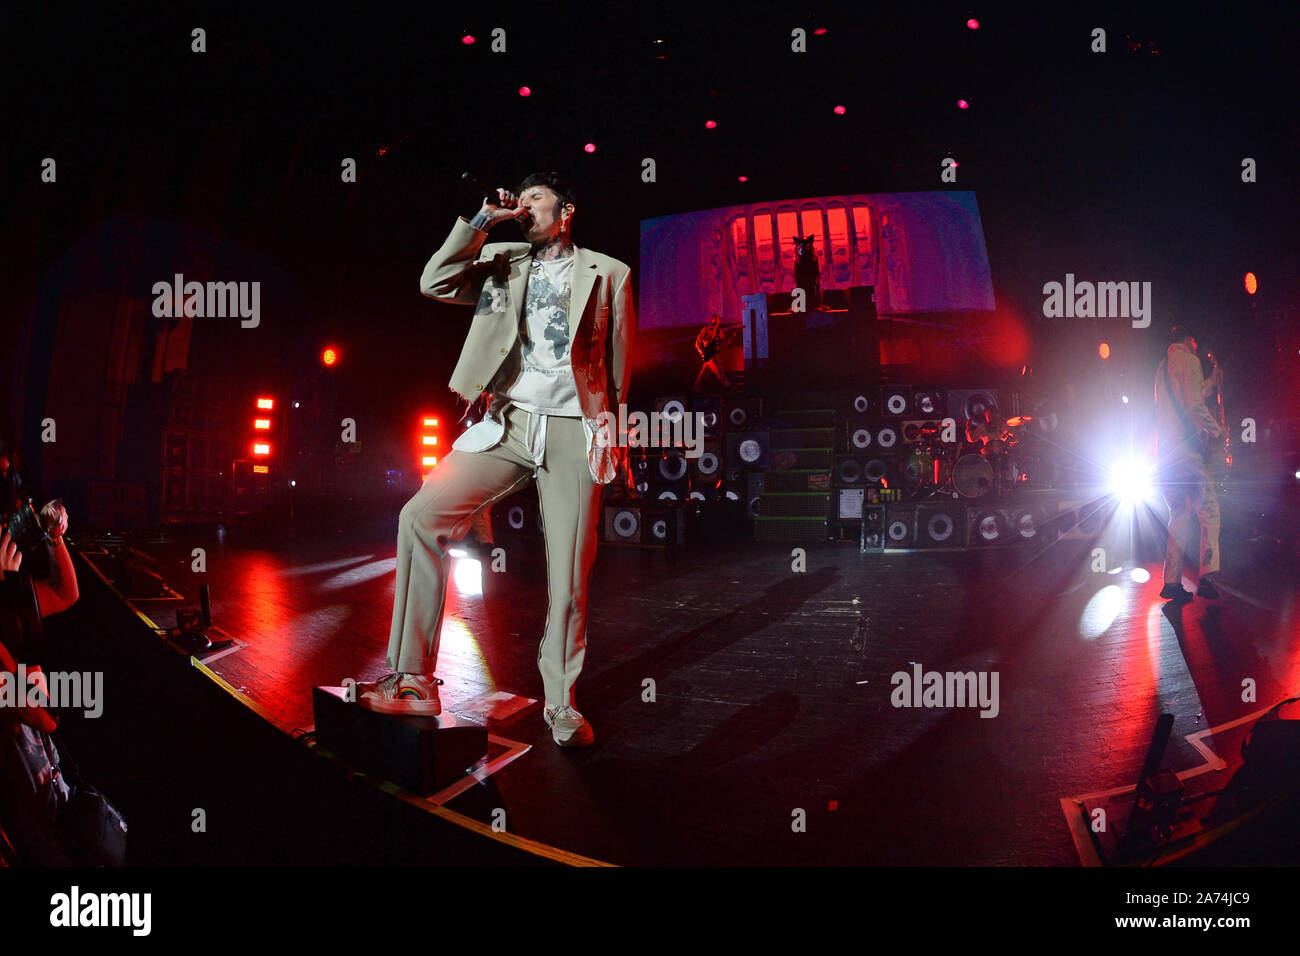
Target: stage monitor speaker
{"type": "Point", "coordinates": [672, 466]}
{"type": "Point", "coordinates": [873, 528]}
{"type": "Point", "coordinates": [623, 524]}
{"type": "Point", "coordinates": [929, 402]}
{"type": "Point", "coordinates": [671, 408]}
{"type": "Point", "coordinates": [753, 493]}
{"type": "Point", "coordinates": [884, 470]}
{"type": "Point", "coordinates": [940, 525]}
{"type": "Point", "coordinates": [896, 402]}
{"type": "Point", "coordinates": [708, 464]}
{"type": "Point", "coordinates": [747, 450]}
{"type": "Point", "coordinates": [967, 403]}
{"type": "Point", "coordinates": [865, 402]}
{"type": "Point", "coordinates": [420, 754]}
{"type": "Point", "coordinates": [866, 436]}
{"type": "Point", "coordinates": [849, 472]}
{"type": "Point", "coordinates": [663, 525]}
{"type": "Point", "coordinates": [900, 526]}
{"type": "Point", "coordinates": [709, 408]}
{"type": "Point", "coordinates": [741, 413]}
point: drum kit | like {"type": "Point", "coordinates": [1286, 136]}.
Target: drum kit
{"type": "Point", "coordinates": [1001, 459]}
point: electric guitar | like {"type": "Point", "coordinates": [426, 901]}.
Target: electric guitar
{"type": "Point", "coordinates": [1216, 451]}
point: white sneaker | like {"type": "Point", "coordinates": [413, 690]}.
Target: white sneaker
{"type": "Point", "coordinates": [568, 727]}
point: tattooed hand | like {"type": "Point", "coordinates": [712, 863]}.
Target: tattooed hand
{"type": "Point", "coordinates": [507, 207]}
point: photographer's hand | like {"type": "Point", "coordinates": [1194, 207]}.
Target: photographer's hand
{"type": "Point", "coordinates": [11, 559]}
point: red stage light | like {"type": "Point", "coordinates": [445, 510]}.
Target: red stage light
{"type": "Point", "coordinates": [1252, 284]}
{"type": "Point", "coordinates": [261, 448]}
{"type": "Point", "coordinates": [742, 179]}
{"type": "Point", "coordinates": [1104, 350]}
{"type": "Point", "coordinates": [262, 424]}
{"type": "Point", "coordinates": [962, 104]}
{"type": "Point", "coordinates": [590, 147]}
{"type": "Point", "coordinates": [839, 111]}
{"type": "Point", "coordinates": [261, 470]}
{"type": "Point", "coordinates": [820, 31]}
{"type": "Point", "coordinates": [525, 91]}
{"type": "Point", "coordinates": [330, 356]}
{"type": "Point", "coordinates": [972, 24]}
{"type": "Point", "coordinates": [266, 403]}
{"type": "Point", "coordinates": [709, 124]}
{"type": "Point", "coordinates": [467, 39]}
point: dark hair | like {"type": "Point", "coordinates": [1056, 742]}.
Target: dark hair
{"type": "Point", "coordinates": [565, 189]}
{"type": "Point", "coordinates": [1178, 333]}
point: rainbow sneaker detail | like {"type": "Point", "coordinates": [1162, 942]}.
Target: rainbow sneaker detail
{"type": "Point", "coordinates": [415, 694]}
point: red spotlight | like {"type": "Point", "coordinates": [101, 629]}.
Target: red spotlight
{"type": "Point", "coordinates": [839, 111]}
{"type": "Point", "coordinates": [972, 24]}
{"type": "Point", "coordinates": [709, 124]}
{"type": "Point", "coordinates": [590, 147]}
{"type": "Point", "coordinates": [266, 403]}
{"type": "Point", "coordinates": [330, 357]}
{"type": "Point", "coordinates": [261, 448]}
{"type": "Point", "coordinates": [820, 31]}
{"type": "Point", "coordinates": [1252, 283]}
{"type": "Point", "coordinates": [963, 105]}
{"type": "Point", "coordinates": [742, 179]}
{"type": "Point", "coordinates": [467, 39]}
{"type": "Point", "coordinates": [1104, 350]}
{"type": "Point", "coordinates": [525, 91]}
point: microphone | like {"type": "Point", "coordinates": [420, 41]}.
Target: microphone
{"type": "Point", "coordinates": [471, 180]}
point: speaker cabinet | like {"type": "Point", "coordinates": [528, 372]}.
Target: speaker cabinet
{"type": "Point", "coordinates": [623, 524]}
{"type": "Point", "coordinates": [940, 525]}
{"type": "Point", "coordinates": [883, 470]}
{"type": "Point", "coordinates": [900, 526]}
{"type": "Point", "coordinates": [850, 471]}
{"type": "Point", "coordinates": [967, 403]}
{"type": "Point", "coordinates": [873, 528]}
{"type": "Point", "coordinates": [865, 402]}
{"type": "Point", "coordinates": [867, 436]}
{"type": "Point", "coordinates": [663, 525]}
{"type": "Point", "coordinates": [671, 408]}
{"type": "Point", "coordinates": [709, 408]}
{"type": "Point", "coordinates": [741, 413]}
{"type": "Point", "coordinates": [929, 402]}
{"type": "Point", "coordinates": [748, 450]}
{"type": "Point", "coordinates": [896, 402]}
{"type": "Point", "coordinates": [753, 493]}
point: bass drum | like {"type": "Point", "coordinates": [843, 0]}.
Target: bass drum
{"type": "Point", "coordinates": [972, 476]}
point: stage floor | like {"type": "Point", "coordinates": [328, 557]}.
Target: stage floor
{"type": "Point", "coordinates": [771, 736]}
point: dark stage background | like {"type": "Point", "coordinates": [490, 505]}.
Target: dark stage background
{"type": "Point", "coordinates": [1122, 166]}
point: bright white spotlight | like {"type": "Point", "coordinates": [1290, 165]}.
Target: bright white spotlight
{"type": "Point", "coordinates": [1131, 479]}
{"type": "Point", "coordinates": [468, 575]}
{"type": "Point", "coordinates": [1140, 575]}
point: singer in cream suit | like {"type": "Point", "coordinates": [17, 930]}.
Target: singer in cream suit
{"type": "Point", "coordinates": [549, 346]}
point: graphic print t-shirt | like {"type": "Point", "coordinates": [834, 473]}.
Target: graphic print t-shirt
{"type": "Point", "coordinates": [544, 383]}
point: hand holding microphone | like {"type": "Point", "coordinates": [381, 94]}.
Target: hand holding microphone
{"type": "Point", "coordinates": [506, 207]}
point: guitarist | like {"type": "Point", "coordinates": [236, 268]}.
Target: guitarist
{"type": "Point", "coordinates": [708, 344]}
{"type": "Point", "coordinates": [1186, 432]}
